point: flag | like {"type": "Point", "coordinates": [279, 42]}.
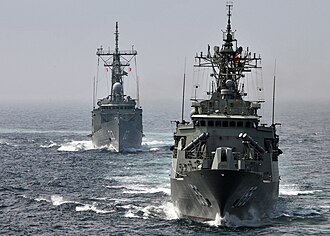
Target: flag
{"type": "Point", "coordinates": [130, 69]}
{"type": "Point", "coordinates": [107, 69]}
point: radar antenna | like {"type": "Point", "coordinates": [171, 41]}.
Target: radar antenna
{"type": "Point", "coordinates": [117, 37]}
{"type": "Point", "coordinates": [116, 61]}
{"type": "Point", "coordinates": [229, 7]}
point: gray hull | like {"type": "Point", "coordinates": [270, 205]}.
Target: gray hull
{"type": "Point", "coordinates": [225, 161]}
{"type": "Point", "coordinates": [202, 194]}
{"type": "Point", "coordinates": [122, 131]}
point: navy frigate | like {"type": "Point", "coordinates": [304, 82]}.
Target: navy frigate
{"type": "Point", "coordinates": [225, 162]}
{"type": "Point", "coordinates": [117, 119]}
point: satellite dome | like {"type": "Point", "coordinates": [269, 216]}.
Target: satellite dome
{"type": "Point", "coordinates": [117, 88]}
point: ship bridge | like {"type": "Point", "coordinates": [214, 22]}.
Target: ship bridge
{"type": "Point", "coordinates": [224, 121]}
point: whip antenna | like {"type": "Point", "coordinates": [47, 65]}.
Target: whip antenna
{"type": "Point", "coordinates": [183, 89]}
{"type": "Point", "coordinates": [274, 85]}
{"type": "Point", "coordinates": [137, 82]}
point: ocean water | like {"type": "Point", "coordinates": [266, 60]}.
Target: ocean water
{"type": "Point", "coordinates": [53, 182]}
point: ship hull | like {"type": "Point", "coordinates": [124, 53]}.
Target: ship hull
{"type": "Point", "coordinates": [203, 194]}
{"type": "Point", "coordinates": [123, 132]}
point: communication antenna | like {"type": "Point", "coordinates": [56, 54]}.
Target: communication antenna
{"type": "Point", "coordinates": [94, 93]}
{"type": "Point", "coordinates": [137, 82]}
{"type": "Point", "coordinates": [97, 78]}
{"type": "Point", "coordinates": [183, 89]}
{"type": "Point", "coordinates": [274, 83]}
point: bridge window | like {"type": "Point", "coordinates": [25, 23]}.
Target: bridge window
{"type": "Point", "coordinates": [248, 124]}
{"type": "Point", "coordinates": [202, 122]}
{"type": "Point", "coordinates": [225, 123]}
{"type": "Point", "coordinates": [240, 124]}
{"type": "Point", "coordinates": [218, 123]}
{"type": "Point", "coordinates": [210, 123]}
{"type": "Point", "coordinates": [232, 123]}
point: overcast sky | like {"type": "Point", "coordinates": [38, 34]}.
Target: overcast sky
{"type": "Point", "coordinates": [47, 48]}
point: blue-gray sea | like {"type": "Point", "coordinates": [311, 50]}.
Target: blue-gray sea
{"type": "Point", "coordinates": [53, 182]}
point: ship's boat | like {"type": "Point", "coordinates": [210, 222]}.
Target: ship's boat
{"type": "Point", "coordinates": [117, 118]}
{"type": "Point", "coordinates": [225, 162]}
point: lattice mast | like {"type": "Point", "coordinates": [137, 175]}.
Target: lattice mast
{"type": "Point", "coordinates": [116, 61]}
{"type": "Point", "coordinates": [230, 62]}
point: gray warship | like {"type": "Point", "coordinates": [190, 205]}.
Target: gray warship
{"type": "Point", "coordinates": [225, 162]}
{"type": "Point", "coordinates": [117, 119]}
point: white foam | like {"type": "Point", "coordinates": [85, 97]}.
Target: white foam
{"type": "Point", "coordinates": [165, 210]}
{"type": "Point", "coordinates": [152, 140]}
{"type": "Point", "coordinates": [170, 211]}
{"type": "Point", "coordinates": [42, 199]}
{"type": "Point", "coordinates": [153, 143]}
{"type": "Point", "coordinates": [85, 145]}
{"type": "Point", "coordinates": [132, 210]}
{"type": "Point", "coordinates": [75, 146]}
{"type": "Point", "coordinates": [119, 200]}
{"type": "Point", "coordinates": [5, 142]}
{"type": "Point", "coordinates": [130, 214]}
{"type": "Point", "coordinates": [299, 192]}
{"type": "Point", "coordinates": [128, 206]}
{"type": "Point", "coordinates": [293, 190]}
{"type": "Point", "coordinates": [58, 200]}
{"type": "Point", "coordinates": [142, 189]}
{"type": "Point", "coordinates": [88, 207]}
{"type": "Point", "coordinates": [233, 221]}
{"type": "Point", "coordinates": [148, 144]}
{"type": "Point", "coordinates": [218, 221]}
{"type": "Point", "coordinates": [100, 198]}
{"type": "Point", "coordinates": [52, 144]}
{"type": "Point", "coordinates": [114, 187]}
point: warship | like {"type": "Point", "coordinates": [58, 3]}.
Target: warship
{"type": "Point", "coordinates": [224, 161]}
{"type": "Point", "coordinates": [117, 118]}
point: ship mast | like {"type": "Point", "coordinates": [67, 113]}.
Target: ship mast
{"type": "Point", "coordinates": [116, 69]}
{"type": "Point", "coordinates": [229, 62]}
{"type": "Point", "coordinates": [112, 61]}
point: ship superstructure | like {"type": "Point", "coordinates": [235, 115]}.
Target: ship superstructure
{"type": "Point", "coordinates": [117, 119]}
{"type": "Point", "coordinates": [225, 163]}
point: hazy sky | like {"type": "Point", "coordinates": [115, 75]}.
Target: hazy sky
{"type": "Point", "coordinates": [47, 48]}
